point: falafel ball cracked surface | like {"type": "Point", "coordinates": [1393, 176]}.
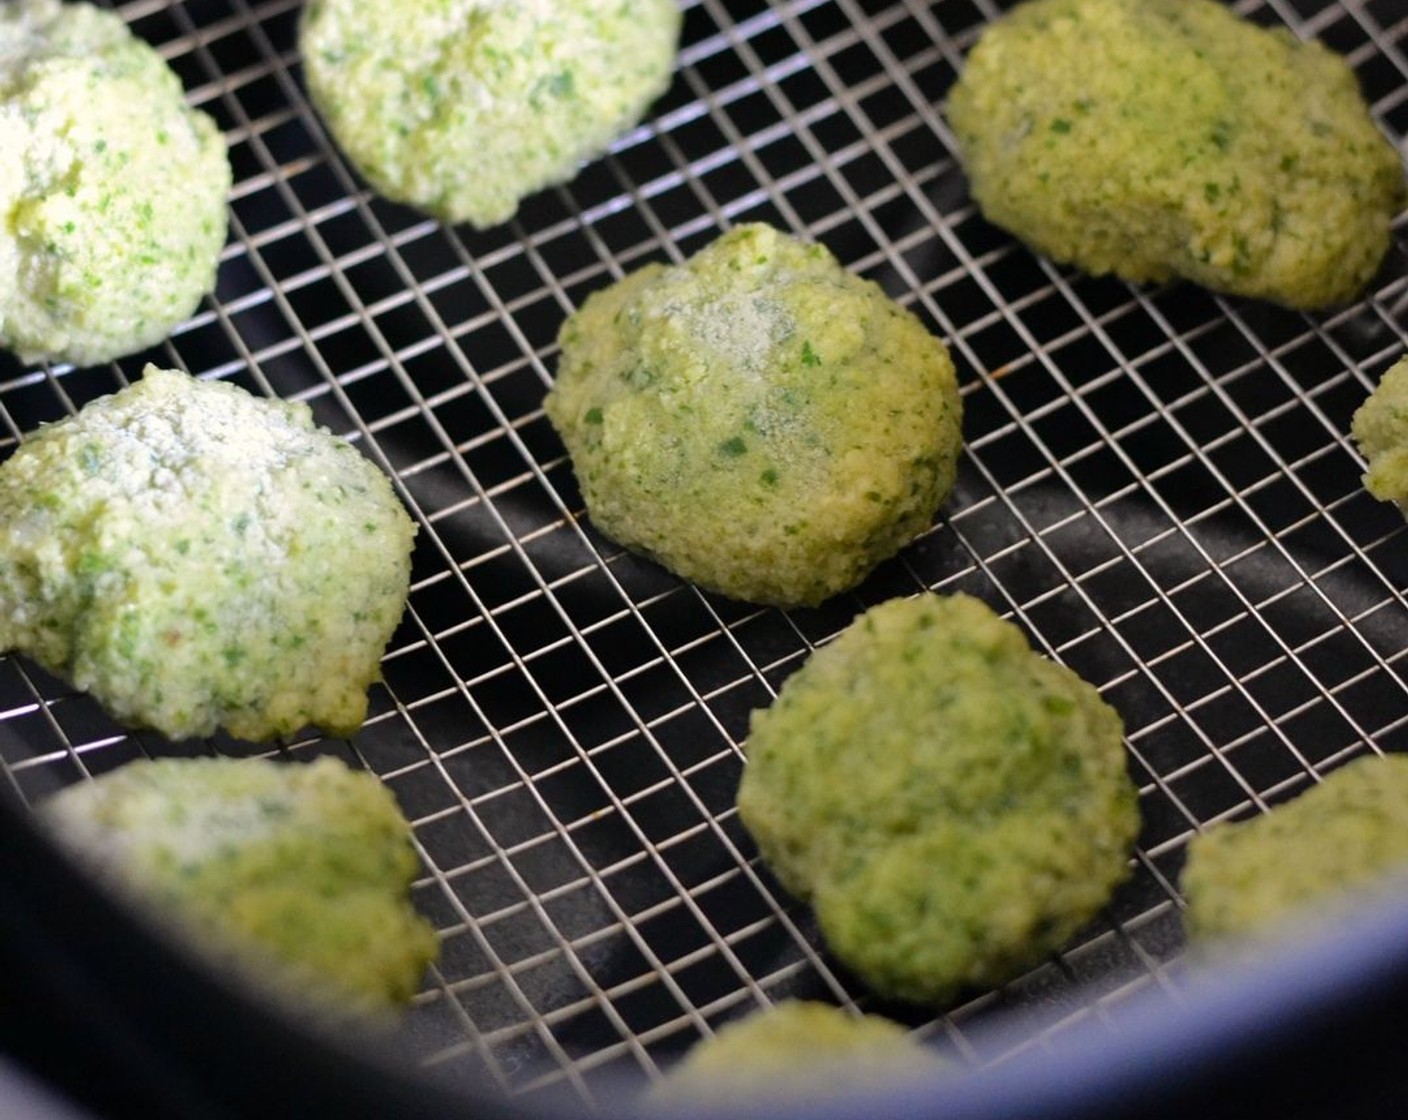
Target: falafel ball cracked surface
{"type": "Point", "coordinates": [112, 190]}
{"type": "Point", "coordinates": [300, 871]}
{"type": "Point", "coordinates": [953, 805]}
{"type": "Point", "coordinates": [1163, 138]}
{"type": "Point", "coordinates": [463, 107]}
{"type": "Point", "coordinates": [1339, 842]}
{"type": "Point", "coordinates": [1380, 428]}
{"type": "Point", "coordinates": [195, 557]}
{"type": "Point", "coordinates": [757, 419]}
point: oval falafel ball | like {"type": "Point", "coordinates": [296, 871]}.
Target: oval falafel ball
{"type": "Point", "coordinates": [464, 107]}
{"type": "Point", "coordinates": [1163, 138]}
{"type": "Point", "coordinates": [953, 805]}
{"type": "Point", "coordinates": [796, 1049]}
{"type": "Point", "coordinates": [112, 190]}
{"type": "Point", "coordinates": [197, 557]}
{"type": "Point", "coordinates": [298, 873]}
{"type": "Point", "coordinates": [1380, 428]}
{"type": "Point", "coordinates": [1339, 843]}
{"type": "Point", "coordinates": [757, 419]}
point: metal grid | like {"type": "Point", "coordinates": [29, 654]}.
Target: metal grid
{"type": "Point", "coordinates": [1157, 485]}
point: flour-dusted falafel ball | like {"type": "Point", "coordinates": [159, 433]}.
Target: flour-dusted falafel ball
{"type": "Point", "coordinates": [795, 1049]}
{"type": "Point", "coordinates": [1170, 138]}
{"type": "Point", "coordinates": [196, 557]}
{"type": "Point", "coordinates": [298, 872]}
{"type": "Point", "coordinates": [953, 805]}
{"type": "Point", "coordinates": [1342, 841]}
{"type": "Point", "coordinates": [757, 419]}
{"type": "Point", "coordinates": [112, 190]}
{"type": "Point", "coordinates": [464, 107]}
{"type": "Point", "coordinates": [1380, 428]}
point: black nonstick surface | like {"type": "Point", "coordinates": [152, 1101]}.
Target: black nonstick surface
{"type": "Point", "coordinates": [1157, 485]}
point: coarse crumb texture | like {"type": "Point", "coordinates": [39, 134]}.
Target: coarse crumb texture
{"type": "Point", "coordinates": [197, 557]}
{"type": "Point", "coordinates": [796, 1049]}
{"type": "Point", "coordinates": [1338, 843]}
{"type": "Point", "coordinates": [464, 107]}
{"type": "Point", "coordinates": [757, 419]}
{"type": "Point", "coordinates": [954, 805]}
{"type": "Point", "coordinates": [1163, 138]}
{"type": "Point", "coordinates": [112, 190]}
{"type": "Point", "coordinates": [300, 873]}
{"type": "Point", "coordinates": [1380, 428]}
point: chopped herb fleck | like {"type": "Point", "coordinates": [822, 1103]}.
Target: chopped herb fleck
{"type": "Point", "coordinates": [809, 356]}
{"type": "Point", "coordinates": [733, 447]}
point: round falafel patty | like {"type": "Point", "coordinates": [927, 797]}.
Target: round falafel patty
{"type": "Point", "coordinates": [463, 107]}
{"type": "Point", "coordinates": [112, 190]}
{"type": "Point", "coordinates": [799, 1048]}
{"type": "Point", "coordinates": [953, 805]}
{"type": "Point", "coordinates": [305, 868]}
{"type": "Point", "coordinates": [196, 557]}
{"type": "Point", "coordinates": [757, 419]}
{"type": "Point", "coordinates": [1339, 842]}
{"type": "Point", "coordinates": [1163, 138]}
{"type": "Point", "coordinates": [1380, 428]}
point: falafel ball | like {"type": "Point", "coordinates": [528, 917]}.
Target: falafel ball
{"type": "Point", "coordinates": [195, 557]}
{"type": "Point", "coordinates": [798, 1048]}
{"type": "Point", "coordinates": [1380, 428]}
{"type": "Point", "coordinates": [299, 873]}
{"type": "Point", "coordinates": [953, 805]}
{"type": "Point", "coordinates": [112, 190]}
{"type": "Point", "coordinates": [463, 107]}
{"type": "Point", "coordinates": [1340, 842]}
{"type": "Point", "coordinates": [757, 419]}
{"type": "Point", "coordinates": [1170, 138]}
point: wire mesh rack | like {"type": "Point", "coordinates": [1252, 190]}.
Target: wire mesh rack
{"type": "Point", "coordinates": [1157, 485]}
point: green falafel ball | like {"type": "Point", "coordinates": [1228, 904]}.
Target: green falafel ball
{"type": "Point", "coordinates": [1163, 138]}
{"type": "Point", "coordinates": [297, 872]}
{"type": "Point", "coordinates": [112, 190]}
{"type": "Point", "coordinates": [464, 107]}
{"type": "Point", "coordinates": [757, 419]}
{"type": "Point", "coordinates": [196, 557]}
{"type": "Point", "coordinates": [1338, 843]}
{"type": "Point", "coordinates": [795, 1049]}
{"type": "Point", "coordinates": [953, 805]}
{"type": "Point", "coordinates": [1380, 428]}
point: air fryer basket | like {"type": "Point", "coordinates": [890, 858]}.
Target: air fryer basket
{"type": "Point", "coordinates": [1157, 485]}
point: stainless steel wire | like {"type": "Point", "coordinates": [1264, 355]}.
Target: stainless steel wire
{"type": "Point", "coordinates": [1157, 485]}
